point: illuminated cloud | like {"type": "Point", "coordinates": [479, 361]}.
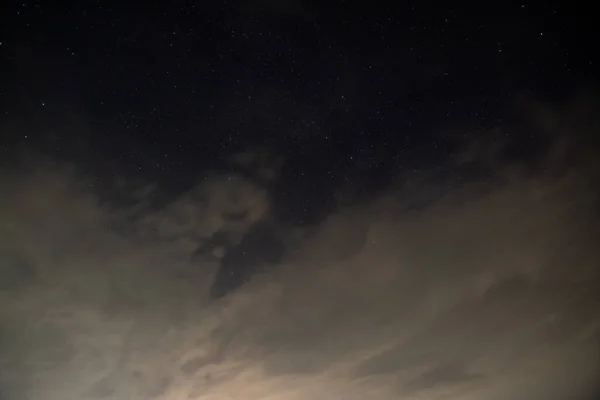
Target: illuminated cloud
{"type": "Point", "coordinates": [486, 293]}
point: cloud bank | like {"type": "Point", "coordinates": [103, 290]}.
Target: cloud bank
{"type": "Point", "coordinates": [486, 289]}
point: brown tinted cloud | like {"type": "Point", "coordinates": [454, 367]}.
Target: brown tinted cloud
{"type": "Point", "coordinates": [488, 292]}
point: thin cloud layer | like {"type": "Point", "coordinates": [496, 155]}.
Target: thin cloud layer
{"type": "Point", "coordinates": [484, 291]}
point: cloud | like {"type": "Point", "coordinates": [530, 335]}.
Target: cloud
{"type": "Point", "coordinates": [483, 290]}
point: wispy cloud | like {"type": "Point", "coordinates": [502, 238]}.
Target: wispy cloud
{"type": "Point", "coordinates": [486, 292]}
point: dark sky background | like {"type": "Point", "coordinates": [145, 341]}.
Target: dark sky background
{"type": "Point", "coordinates": [259, 188]}
{"type": "Point", "coordinates": [353, 88]}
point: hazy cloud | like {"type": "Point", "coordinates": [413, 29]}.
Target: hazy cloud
{"type": "Point", "coordinates": [487, 292]}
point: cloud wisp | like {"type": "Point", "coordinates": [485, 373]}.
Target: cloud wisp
{"type": "Point", "coordinates": [485, 291]}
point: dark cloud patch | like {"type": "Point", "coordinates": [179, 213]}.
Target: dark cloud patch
{"type": "Point", "coordinates": [258, 248]}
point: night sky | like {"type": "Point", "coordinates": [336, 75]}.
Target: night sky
{"type": "Point", "coordinates": [356, 90]}
{"type": "Point", "coordinates": [297, 199]}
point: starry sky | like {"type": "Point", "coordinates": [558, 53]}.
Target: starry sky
{"type": "Point", "coordinates": [293, 199]}
{"type": "Point", "coordinates": [170, 89]}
